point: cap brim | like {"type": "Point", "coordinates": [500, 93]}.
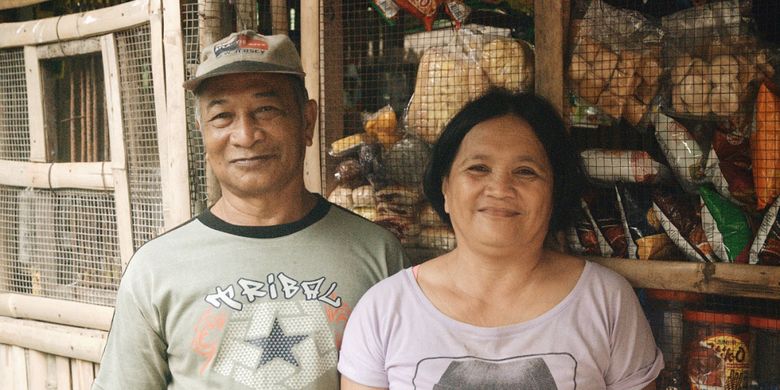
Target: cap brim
{"type": "Point", "coordinates": [241, 67]}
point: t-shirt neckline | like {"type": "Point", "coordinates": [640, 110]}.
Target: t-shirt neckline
{"type": "Point", "coordinates": [319, 211]}
{"type": "Point", "coordinates": [505, 330]}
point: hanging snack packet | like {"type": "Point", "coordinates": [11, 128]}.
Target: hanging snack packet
{"type": "Point", "coordinates": [458, 11]}
{"type": "Point", "coordinates": [584, 237]}
{"type": "Point", "coordinates": [680, 218]}
{"type": "Point", "coordinates": [603, 207]}
{"type": "Point", "coordinates": [726, 226]}
{"type": "Point", "coordinates": [425, 10]}
{"type": "Point", "coordinates": [387, 8]}
{"type": "Point", "coordinates": [728, 168]}
{"type": "Point", "coordinates": [681, 150]}
{"type": "Point", "coordinates": [766, 246]}
{"type": "Point", "coordinates": [765, 147]}
{"type": "Point", "coordinates": [643, 225]}
{"type": "Point", "coordinates": [382, 125]}
{"type": "Point", "coordinates": [632, 166]}
{"type": "Point", "coordinates": [348, 174]}
{"type": "Point", "coordinates": [406, 160]}
{"type": "Point", "coordinates": [372, 166]}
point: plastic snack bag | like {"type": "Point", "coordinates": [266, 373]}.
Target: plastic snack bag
{"type": "Point", "coordinates": [603, 207]}
{"type": "Point", "coordinates": [728, 168]}
{"type": "Point", "coordinates": [766, 245]}
{"type": "Point", "coordinates": [425, 10]}
{"type": "Point", "coordinates": [765, 147]}
{"type": "Point", "coordinates": [726, 226]}
{"type": "Point", "coordinates": [680, 217]}
{"type": "Point", "coordinates": [650, 240]}
{"type": "Point", "coordinates": [405, 161]}
{"type": "Point", "coordinates": [631, 166]}
{"type": "Point", "coordinates": [681, 150]}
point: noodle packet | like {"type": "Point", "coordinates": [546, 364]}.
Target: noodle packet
{"type": "Point", "coordinates": [644, 227]}
{"type": "Point", "coordinates": [766, 245]}
{"type": "Point", "coordinates": [726, 226]}
{"type": "Point", "coordinates": [680, 217]}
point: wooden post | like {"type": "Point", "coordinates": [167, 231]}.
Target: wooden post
{"type": "Point", "coordinates": [38, 150]}
{"type": "Point", "coordinates": [310, 58]}
{"type": "Point", "coordinates": [246, 14]}
{"type": "Point", "coordinates": [550, 22]}
{"type": "Point", "coordinates": [280, 20]}
{"type": "Point", "coordinates": [210, 31]}
{"type": "Point", "coordinates": [18, 367]}
{"type": "Point", "coordinates": [37, 369]}
{"type": "Point", "coordinates": [124, 221]}
{"type": "Point", "coordinates": [62, 369]}
{"type": "Point", "coordinates": [83, 374]}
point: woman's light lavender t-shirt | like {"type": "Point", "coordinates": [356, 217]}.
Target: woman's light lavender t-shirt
{"type": "Point", "coordinates": [595, 338]}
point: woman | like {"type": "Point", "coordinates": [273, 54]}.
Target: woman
{"type": "Point", "coordinates": [502, 310]}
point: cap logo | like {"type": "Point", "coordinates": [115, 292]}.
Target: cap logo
{"type": "Point", "coordinates": [241, 42]}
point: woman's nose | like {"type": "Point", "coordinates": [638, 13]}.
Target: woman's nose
{"type": "Point", "coordinates": [500, 185]}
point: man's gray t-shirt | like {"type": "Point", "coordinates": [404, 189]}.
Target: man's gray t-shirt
{"type": "Point", "coordinates": [211, 305]}
{"type": "Point", "coordinates": [596, 338]}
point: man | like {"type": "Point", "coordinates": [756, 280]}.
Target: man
{"type": "Point", "coordinates": [255, 292]}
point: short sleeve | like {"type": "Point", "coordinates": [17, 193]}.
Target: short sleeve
{"type": "Point", "coordinates": [635, 360]}
{"type": "Point", "coordinates": [362, 356]}
{"type": "Point", "coordinates": [135, 356]}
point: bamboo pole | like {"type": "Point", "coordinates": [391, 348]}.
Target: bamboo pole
{"type": "Point", "coordinates": [76, 343]}
{"type": "Point", "coordinates": [91, 176]}
{"type": "Point", "coordinates": [6, 368]}
{"type": "Point", "coordinates": [68, 48]}
{"type": "Point", "coordinates": [62, 365]}
{"type": "Point", "coordinates": [35, 111]}
{"type": "Point", "coordinates": [210, 31]}
{"type": "Point", "coordinates": [88, 112]}
{"type": "Point", "coordinates": [18, 366]}
{"type": "Point", "coordinates": [83, 114]}
{"type": "Point", "coordinates": [37, 370]}
{"type": "Point", "coordinates": [75, 26]}
{"type": "Point", "coordinates": [550, 19]}
{"type": "Point", "coordinates": [83, 374]}
{"type": "Point", "coordinates": [124, 222]}
{"type": "Point", "coordinates": [71, 117]}
{"type": "Point", "coordinates": [743, 280]}
{"type": "Point", "coordinates": [310, 59]}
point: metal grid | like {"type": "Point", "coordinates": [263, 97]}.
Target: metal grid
{"type": "Point", "coordinates": [389, 87]}
{"type": "Point", "coordinates": [140, 126]}
{"type": "Point", "coordinates": [14, 134]}
{"type": "Point", "coordinates": [196, 153]}
{"type": "Point", "coordinates": [60, 244]}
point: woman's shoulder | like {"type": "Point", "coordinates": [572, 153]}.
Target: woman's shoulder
{"type": "Point", "coordinates": [393, 288]}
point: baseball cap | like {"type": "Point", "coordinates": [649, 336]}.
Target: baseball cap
{"type": "Point", "coordinates": [247, 52]}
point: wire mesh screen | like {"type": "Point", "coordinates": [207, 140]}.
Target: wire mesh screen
{"type": "Point", "coordinates": [675, 112]}
{"type": "Point", "coordinates": [14, 134]}
{"type": "Point", "coordinates": [197, 164]}
{"type": "Point", "coordinates": [138, 110]}
{"type": "Point", "coordinates": [391, 82]}
{"type": "Point", "coordinates": [59, 244]}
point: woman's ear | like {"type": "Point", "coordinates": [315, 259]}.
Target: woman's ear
{"type": "Point", "coordinates": [444, 185]}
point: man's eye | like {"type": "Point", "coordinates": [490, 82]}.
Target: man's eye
{"type": "Point", "coordinates": [222, 116]}
{"type": "Point", "coordinates": [267, 112]}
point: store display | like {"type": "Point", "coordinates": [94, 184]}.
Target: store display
{"type": "Point", "coordinates": [404, 228]}
{"type": "Point", "coordinates": [438, 237]}
{"type": "Point", "coordinates": [765, 346]}
{"type": "Point", "coordinates": [766, 245]}
{"type": "Point", "coordinates": [631, 166]}
{"type": "Point", "coordinates": [341, 196]}
{"type": "Point", "coordinates": [665, 315]}
{"type": "Point", "coordinates": [726, 226]}
{"type": "Point", "coordinates": [645, 231]}
{"type": "Point", "coordinates": [348, 174]}
{"type": "Point", "coordinates": [728, 168]}
{"type": "Point", "coordinates": [349, 145]}
{"type": "Point", "coordinates": [680, 217]}
{"type": "Point", "coordinates": [405, 161]}
{"type": "Point", "coordinates": [584, 237]}
{"type": "Point", "coordinates": [429, 217]}
{"type": "Point", "coordinates": [681, 150]}
{"type": "Point", "coordinates": [382, 125]}
{"type": "Point", "coordinates": [603, 207]}
{"type": "Point", "coordinates": [425, 10]}
{"type": "Point", "coordinates": [719, 355]}
{"type": "Point", "coordinates": [363, 196]}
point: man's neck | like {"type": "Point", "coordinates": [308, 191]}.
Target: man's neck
{"type": "Point", "coordinates": [264, 210]}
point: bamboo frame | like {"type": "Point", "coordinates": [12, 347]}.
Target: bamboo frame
{"type": "Point", "coordinates": [75, 26]}
{"type": "Point", "coordinates": [173, 147]}
{"type": "Point", "coordinates": [743, 280]}
{"type": "Point", "coordinates": [69, 48]}
{"type": "Point", "coordinates": [18, 365]}
{"type": "Point", "coordinates": [83, 374]}
{"type": "Point", "coordinates": [71, 313]}
{"type": "Point", "coordinates": [310, 59]}
{"type": "Point", "coordinates": [550, 20]}
{"type": "Point", "coordinates": [124, 220]}
{"type": "Point", "coordinates": [91, 176]}
{"type": "Point", "coordinates": [37, 369]}
{"type": "Point", "coordinates": [280, 23]}
{"type": "Point", "coordinates": [38, 152]}
{"type": "Point", "coordinates": [76, 343]}
{"type": "Point", "coordinates": [9, 4]}
{"type": "Point", "coordinates": [210, 31]}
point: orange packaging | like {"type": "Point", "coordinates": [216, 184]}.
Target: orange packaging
{"type": "Point", "coordinates": [765, 147]}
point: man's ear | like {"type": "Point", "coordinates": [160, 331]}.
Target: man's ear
{"type": "Point", "coordinates": [310, 112]}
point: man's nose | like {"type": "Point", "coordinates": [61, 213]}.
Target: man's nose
{"type": "Point", "coordinates": [248, 131]}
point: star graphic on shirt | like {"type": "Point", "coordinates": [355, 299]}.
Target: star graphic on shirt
{"type": "Point", "coordinates": [277, 345]}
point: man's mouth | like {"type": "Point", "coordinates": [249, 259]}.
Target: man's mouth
{"type": "Point", "coordinates": [253, 159]}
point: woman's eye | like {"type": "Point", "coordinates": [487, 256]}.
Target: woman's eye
{"type": "Point", "coordinates": [525, 172]}
{"type": "Point", "coordinates": [478, 168]}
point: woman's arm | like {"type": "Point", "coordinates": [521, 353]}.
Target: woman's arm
{"type": "Point", "coordinates": [348, 384]}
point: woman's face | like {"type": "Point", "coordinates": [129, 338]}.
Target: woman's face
{"type": "Point", "coordinates": [499, 189]}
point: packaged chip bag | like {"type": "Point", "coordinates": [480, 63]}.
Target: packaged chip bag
{"type": "Point", "coordinates": [644, 227]}
{"type": "Point", "coordinates": [728, 168]}
{"type": "Point", "coordinates": [765, 147]}
{"type": "Point", "coordinates": [683, 153]}
{"type": "Point", "coordinates": [584, 237]}
{"type": "Point", "coordinates": [726, 226]}
{"type": "Point", "coordinates": [387, 8]}
{"type": "Point", "coordinates": [603, 208]}
{"type": "Point", "coordinates": [424, 10]}
{"type": "Point", "coordinates": [766, 245]}
{"type": "Point", "coordinates": [681, 219]}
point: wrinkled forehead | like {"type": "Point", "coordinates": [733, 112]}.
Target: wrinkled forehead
{"type": "Point", "coordinates": [240, 83]}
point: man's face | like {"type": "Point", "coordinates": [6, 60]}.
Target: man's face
{"type": "Point", "coordinates": [255, 133]}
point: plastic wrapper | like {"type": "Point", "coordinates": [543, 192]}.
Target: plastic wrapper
{"type": "Point", "coordinates": [382, 125]}
{"type": "Point", "coordinates": [448, 77]}
{"type": "Point", "coordinates": [726, 226]}
{"type": "Point", "coordinates": [428, 216]}
{"type": "Point", "coordinates": [348, 174]}
{"type": "Point", "coordinates": [458, 11]}
{"type": "Point", "coordinates": [712, 59]}
{"type": "Point", "coordinates": [615, 62]}
{"type": "Point", "coordinates": [632, 166]}
{"type": "Point", "coordinates": [371, 165]}
{"type": "Point", "coordinates": [425, 10]}
{"type": "Point", "coordinates": [341, 196]}
{"type": "Point", "coordinates": [728, 168]}
{"type": "Point", "coordinates": [397, 194]}
{"type": "Point", "coordinates": [766, 245]}
{"type": "Point", "coordinates": [368, 213]}
{"type": "Point", "coordinates": [644, 227]}
{"type": "Point", "coordinates": [349, 145]}
{"type": "Point", "coordinates": [387, 8]}
{"type": "Point", "coordinates": [603, 208]}
{"type": "Point", "coordinates": [765, 147]}
{"type": "Point", "coordinates": [363, 196]}
{"type": "Point", "coordinates": [438, 237]}
{"type": "Point", "coordinates": [405, 161]}
{"type": "Point", "coordinates": [584, 237]}
{"type": "Point", "coordinates": [681, 219]}
{"type": "Point", "coordinates": [405, 229]}
{"type": "Point", "coordinates": [681, 150]}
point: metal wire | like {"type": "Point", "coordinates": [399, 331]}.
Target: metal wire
{"type": "Point", "coordinates": [14, 134]}
{"type": "Point", "coordinates": [195, 154]}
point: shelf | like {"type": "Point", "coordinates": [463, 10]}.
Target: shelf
{"type": "Point", "coordinates": [741, 280]}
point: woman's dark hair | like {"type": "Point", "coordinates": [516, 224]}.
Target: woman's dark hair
{"type": "Point", "coordinates": [547, 125]}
